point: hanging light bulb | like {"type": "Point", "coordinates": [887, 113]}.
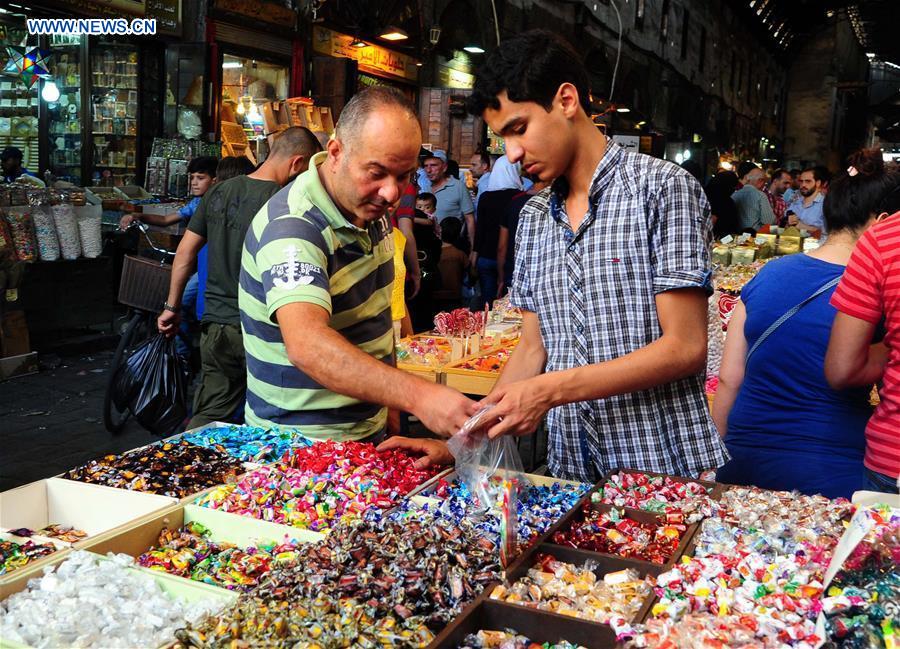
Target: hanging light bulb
{"type": "Point", "coordinates": [240, 106]}
{"type": "Point", "coordinates": [50, 93]}
{"type": "Point", "coordinates": [254, 111]}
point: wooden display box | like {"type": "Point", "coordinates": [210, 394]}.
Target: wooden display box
{"type": "Point", "coordinates": [94, 509]}
{"type": "Point", "coordinates": [223, 526]}
{"type": "Point", "coordinates": [543, 626]}
{"type": "Point", "coordinates": [576, 514]}
{"type": "Point", "coordinates": [470, 381]}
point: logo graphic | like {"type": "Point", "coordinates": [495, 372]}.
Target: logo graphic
{"type": "Point", "coordinates": [292, 273]}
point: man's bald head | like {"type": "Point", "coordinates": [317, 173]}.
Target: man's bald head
{"type": "Point", "coordinates": [296, 141]}
{"type": "Point", "coordinates": [756, 177]}
{"type": "Point", "coordinates": [369, 102]}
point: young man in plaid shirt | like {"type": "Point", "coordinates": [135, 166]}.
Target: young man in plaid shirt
{"type": "Point", "coordinates": [612, 273]}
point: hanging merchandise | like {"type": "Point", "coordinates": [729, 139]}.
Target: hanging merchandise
{"type": "Point", "coordinates": [44, 227]}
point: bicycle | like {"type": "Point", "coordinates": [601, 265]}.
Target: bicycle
{"type": "Point", "coordinates": [144, 288]}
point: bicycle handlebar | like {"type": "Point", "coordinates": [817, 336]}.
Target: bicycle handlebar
{"type": "Point", "coordinates": [144, 228]}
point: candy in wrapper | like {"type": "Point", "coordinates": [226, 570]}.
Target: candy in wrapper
{"type": "Point", "coordinates": [509, 490]}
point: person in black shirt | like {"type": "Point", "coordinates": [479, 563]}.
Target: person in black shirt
{"type": "Point", "coordinates": [506, 244]}
{"type": "Point", "coordinates": [724, 212]}
{"type": "Point", "coordinates": [491, 210]}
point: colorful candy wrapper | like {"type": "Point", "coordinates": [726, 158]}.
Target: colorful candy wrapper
{"type": "Point", "coordinates": [509, 490]}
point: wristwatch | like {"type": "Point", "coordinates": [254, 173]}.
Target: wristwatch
{"type": "Point", "coordinates": [169, 307]}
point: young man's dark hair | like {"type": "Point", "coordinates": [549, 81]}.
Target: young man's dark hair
{"type": "Point", "coordinates": [204, 164]}
{"type": "Point", "coordinates": [485, 158]}
{"type": "Point", "coordinates": [234, 165]}
{"type": "Point", "coordinates": [530, 67]}
{"type": "Point", "coordinates": [778, 173]}
{"type": "Point", "coordinates": [795, 173]}
{"type": "Point", "coordinates": [453, 168]}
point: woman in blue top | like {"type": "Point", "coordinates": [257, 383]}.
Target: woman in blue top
{"type": "Point", "coordinates": [783, 425]}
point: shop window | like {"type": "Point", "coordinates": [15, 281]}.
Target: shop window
{"type": "Point", "coordinates": [685, 30]}
{"type": "Point", "coordinates": [114, 112]}
{"type": "Point", "coordinates": [247, 85]}
{"type": "Point", "coordinates": [65, 142]}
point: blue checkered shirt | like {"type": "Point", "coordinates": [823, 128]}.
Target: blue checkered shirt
{"type": "Point", "coordinates": [594, 292]}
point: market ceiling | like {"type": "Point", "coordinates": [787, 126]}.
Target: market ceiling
{"type": "Point", "coordinates": [787, 23]}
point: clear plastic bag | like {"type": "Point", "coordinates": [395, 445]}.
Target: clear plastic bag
{"type": "Point", "coordinates": [492, 471]}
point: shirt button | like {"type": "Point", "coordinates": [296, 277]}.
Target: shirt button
{"type": "Point", "coordinates": [580, 328]}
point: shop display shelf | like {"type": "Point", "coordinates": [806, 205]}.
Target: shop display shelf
{"type": "Point", "coordinates": [175, 587]}
{"type": "Point", "coordinates": [476, 382]}
{"type": "Point", "coordinates": [94, 509]}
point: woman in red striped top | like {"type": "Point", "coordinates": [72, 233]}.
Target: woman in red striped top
{"type": "Point", "coordinates": [869, 294]}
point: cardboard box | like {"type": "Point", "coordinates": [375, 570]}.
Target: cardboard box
{"type": "Point", "coordinates": [94, 509]}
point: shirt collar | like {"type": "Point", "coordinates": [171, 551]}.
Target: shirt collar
{"type": "Point", "coordinates": [603, 176]}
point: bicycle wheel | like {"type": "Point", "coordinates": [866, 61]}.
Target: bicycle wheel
{"type": "Point", "coordinates": [136, 331]}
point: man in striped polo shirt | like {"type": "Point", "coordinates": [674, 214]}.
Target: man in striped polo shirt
{"type": "Point", "coordinates": [315, 287]}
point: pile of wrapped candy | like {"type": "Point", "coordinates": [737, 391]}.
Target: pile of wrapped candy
{"type": "Point", "coordinates": [248, 443]}
{"type": "Point", "coordinates": [63, 533]}
{"type": "Point", "coordinates": [509, 640]}
{"type": "Point", "coordinates": [566, 589]}
{"type": "Point", "coordinates": [659, 495]}
{"type": "Point", "coordinates": [373, 582]}
{"type": "Point", "coordinates": [537, 509]}
{"type": "Point", "coordinates": [313, 488]}
{"type": "Point", "coordinates": [756, 577]}
{"type": "Point", "coordinates": [176, 469]}
{"type": "Point", "coordinates": [14, 555]}
{"type": "Point", "coordinates": [459, 323]}
{"type": "Point", "coordinates": [609, 531]}
{"type": "Point", "coordinates": [492, 362]}
{"type": "Point", "coordinates": [424, 350]}
{"type": "Point", "coordinates": [862, 603]}
{"type": "Point", "coordinates": [88, 601]}
{"type": "Point", "coordinates": [190, 553]}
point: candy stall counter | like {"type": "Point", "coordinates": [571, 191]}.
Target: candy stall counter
{"type": "Point", "coordinates": [478, 373]}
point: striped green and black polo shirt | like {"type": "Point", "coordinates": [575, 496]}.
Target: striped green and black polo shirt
{"type": "Point", "coordinates": [300, 248]}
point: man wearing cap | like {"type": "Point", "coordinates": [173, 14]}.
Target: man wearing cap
{"type": "Point", "coordinates": [11, 159]}
{"type": "Point", "coordinates": [453, 197]}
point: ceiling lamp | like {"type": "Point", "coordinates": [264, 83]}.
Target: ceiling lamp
{"type": "Point", "coordinates": [358, 43]}
{"type": "Point", "coordinates": [50, 93]}
{"type": "Point", "coordinates": [623, 109]}
{"type": "Point", "coordinates": [474, 49]}
{"type": "Point", "coordinates": [231, 65]}
{"type": "Point", "coordinates": [394, 34]}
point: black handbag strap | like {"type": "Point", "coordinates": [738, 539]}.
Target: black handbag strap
{"type": "Point", "coordinates": [788, 315]}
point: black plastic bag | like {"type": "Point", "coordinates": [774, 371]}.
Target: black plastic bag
{"type": "Point", "coordinates": [153, 384]}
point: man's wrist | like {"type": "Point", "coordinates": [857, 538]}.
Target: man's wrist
{"type": "Point", "coordinates": [172, 306]}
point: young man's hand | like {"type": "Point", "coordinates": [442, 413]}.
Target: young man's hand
{"type": "Point", "coordinates": [519, 407]}
{"type": "Point", "coordinates": [126, 220]}
{"type": "Point", "coordinates": [434, 451]}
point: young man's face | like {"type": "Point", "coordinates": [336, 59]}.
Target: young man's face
{"type": "Point", "coordinates": [780, 184]}
{"type": "Point", "coordinates": [11, 164]}
{"type": "Point", "coordinates": [425, 205]}
{"type": "Point", "coordinates": [540, 140]}
{"type": "Point", "coordinates": [371, 174]}
{"type": "Point", "coordinates": [201, 182]}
